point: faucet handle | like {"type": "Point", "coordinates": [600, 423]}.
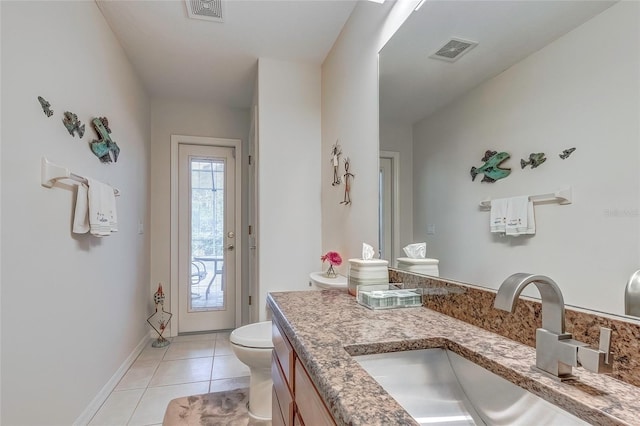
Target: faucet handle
{"type": "Point", "coordinates": [605, 343]}
{"type": "Point", "coordinates": [597, 360]}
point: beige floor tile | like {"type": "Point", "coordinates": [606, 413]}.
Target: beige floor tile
{"type": "Point", "coordinates": [194, 337]}
{"type": "Point", "coordinates": [224, 335]}
{"type": "Point", "coordinates": [154, 402]}
{"type": "Point", "coordinates": [150, 352]}
{"type": "Point", "coordinates": [139, 375]}
{"type": "Point", "coordinates": [223, 347]}
{"type": "Point", "coordinates": [228, 366]}
{"type": "Point", "coordinates": [117, 409]}
{"type": "Point", "coordinates": [190, 349]}
{"type": "Point", "coordinates": [229, 384]}
{"type": "Point", "coordinates": [182, 371]}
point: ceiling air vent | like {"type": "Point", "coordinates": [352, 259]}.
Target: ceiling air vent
{"type": "Point", "coordinates": [454, 49]}
{"type": "Point", "coordinates": [210, 10]}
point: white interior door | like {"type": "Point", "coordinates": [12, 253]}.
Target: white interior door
{"type": "Point", "coordinates": [206, 238]}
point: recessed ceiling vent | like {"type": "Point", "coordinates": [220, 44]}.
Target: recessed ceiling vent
{"type": "Point", "coordinates": [210, 10]}
{"type": "Point", "coordinates": [454, 49]}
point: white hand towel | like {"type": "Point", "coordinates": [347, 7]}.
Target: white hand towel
{"type": "Point", "coordinates": [81, 215]}
{"type": "Point", "coordinates": [102, 209]}
{"type": "Point", "coordinates": [520, 216]}
{"type": "Point", "coordinates": [498, 216]}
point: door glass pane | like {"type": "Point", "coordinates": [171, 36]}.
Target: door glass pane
{"type": "Point", "coordinates": [207, 235]}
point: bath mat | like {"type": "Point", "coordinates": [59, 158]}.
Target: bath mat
{"type": "Point", "coordinates": [227, 408]}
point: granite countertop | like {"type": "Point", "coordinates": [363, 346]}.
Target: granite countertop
{"type": "Point", "coordinates": [327, 327]}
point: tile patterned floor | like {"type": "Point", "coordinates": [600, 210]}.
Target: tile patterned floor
{"type": "Point", "coordinates": [190, 365]}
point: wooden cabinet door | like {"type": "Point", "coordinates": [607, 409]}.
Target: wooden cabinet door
{"type": "Point", "coordinates": [310, 405]}
{"type": "Point", "coordinates": [282, 391]}
{"type": "Point", "coordinates": [284, 351]}
{"type": "Point", "coordinates": [276, 414]}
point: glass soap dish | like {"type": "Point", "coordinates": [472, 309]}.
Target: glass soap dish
{"type": "Point", "coordinates": [388, 296]}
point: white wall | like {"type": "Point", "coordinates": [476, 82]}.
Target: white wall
{"type": "Point", "coordinates": [73, 307]}
{"type": "Point", "coordinates": [350, 115]}
{"type": "Point", "coordinates": [183, 117]}
{"type": "Point", "coordinates": [580, 91]}
{"type": "Point", "coordinates": [289, 236]}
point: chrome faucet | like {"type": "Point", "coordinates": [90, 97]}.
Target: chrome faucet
{"type": "Point", "coordinates": [556, 351]}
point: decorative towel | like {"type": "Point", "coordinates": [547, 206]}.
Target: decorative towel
{"type": "Point", "coordinates": [103, 219]}
{"type": "Point", "coordinates": [498, 216]}
{"type": "Point", "coordinates": [520, 216]}
{"type": "Point", "coordinates": [81, 215]}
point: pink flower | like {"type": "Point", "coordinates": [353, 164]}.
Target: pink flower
{"type": "Point", "coordinates": [332, 257]}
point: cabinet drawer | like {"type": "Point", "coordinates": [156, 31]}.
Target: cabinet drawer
{"type": "Point", "coordinates": [282, 391]}
{"type": "Point", "coordinates": [284, 351]}
{"type": "Point", "coordinates": [310, 405]}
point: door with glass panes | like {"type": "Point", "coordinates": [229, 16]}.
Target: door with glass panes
{"type": "Point", "coordinates": [206, 238]}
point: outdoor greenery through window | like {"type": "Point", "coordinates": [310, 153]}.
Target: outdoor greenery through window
{"type": "Point", "coordinates": [207, 207]}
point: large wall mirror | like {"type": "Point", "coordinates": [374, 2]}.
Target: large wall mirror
{"type": "Point", "coordinates": [545, 76]}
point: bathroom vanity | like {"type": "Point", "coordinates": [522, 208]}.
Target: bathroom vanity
{"type": "Point", "coordinates": [317, 334]}
{"type": "Point", "coordinates": [294, 397]}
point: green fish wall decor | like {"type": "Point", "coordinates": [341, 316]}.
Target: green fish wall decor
{"type": "Point", "coordinates": [535, 159]}
{"type": "Point", "coordinates": [491, 168]}
{"type": "Point", "coordinates": [105, 147]}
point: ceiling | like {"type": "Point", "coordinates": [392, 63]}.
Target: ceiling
{"type": "Point", "coordinates": [179, 57]}
{"type": "Point", "coordinates": [413, 86]}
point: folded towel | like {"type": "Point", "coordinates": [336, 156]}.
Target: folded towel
{"type": "Point", "coordinates": [498, 216]}
{"type": "Point", "coordinates": [81, 215]}
{"type": "Point", "coordinates": [103, 219]}
{"type": "Point", "coordinates": [520, 216]}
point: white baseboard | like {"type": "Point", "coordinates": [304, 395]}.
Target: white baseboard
{"type": "Point", "coordinates": [106, 390]}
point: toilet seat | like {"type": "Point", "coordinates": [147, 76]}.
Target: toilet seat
{"type": "Point", "coordinates": [256, 335]}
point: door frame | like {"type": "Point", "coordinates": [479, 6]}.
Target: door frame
{"type": "Point", "coordinates": [253, 252]}
{"type": "Point", "coordinates": [177, 140]}
{"type": "Point", "coordinates": [394, 156]}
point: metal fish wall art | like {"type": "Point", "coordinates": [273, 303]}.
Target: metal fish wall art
{"type": "Point", "coordinates": [72, 124]}
{"type": "Point", "coordinates": [535, 159]}
{"type": "Point", "coordinates": [491, 168]}
{"type": "Point", "coordinates": [104, 148]}
{"type": "Point", "coordinates": [566, 153]}
{"type": "Point", "coordinates": [46, 106]}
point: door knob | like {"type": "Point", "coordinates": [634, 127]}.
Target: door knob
{"type": "Point", "coordinates": [231, 247]}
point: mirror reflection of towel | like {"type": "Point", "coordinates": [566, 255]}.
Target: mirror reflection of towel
{"type": "Point", "coordinates": [520, 217]}
{"type": "Point", "coordinates": [498, 216]}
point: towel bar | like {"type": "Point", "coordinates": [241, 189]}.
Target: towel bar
{"type": "Point", "coordinates": [52, 172]}
{"type": "Point", "coordinates": [562, 196]}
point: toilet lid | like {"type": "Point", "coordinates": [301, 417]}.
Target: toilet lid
{"type": "Point", "coordinates": [256, 335]}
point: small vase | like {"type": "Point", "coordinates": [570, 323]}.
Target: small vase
{"type": "Point", "coordinates": [331, 273]}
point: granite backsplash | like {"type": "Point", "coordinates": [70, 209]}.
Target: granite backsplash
{"type": "Point", "coordinates": [475, 306]}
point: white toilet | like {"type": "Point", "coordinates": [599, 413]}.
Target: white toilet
{"type": "Point", "coordinates": [252, 345]}
{"type": "Point", "coordinates": [320, 281]}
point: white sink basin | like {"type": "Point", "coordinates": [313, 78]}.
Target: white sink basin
{"type": "Point", "coordinates": [437, 386]}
